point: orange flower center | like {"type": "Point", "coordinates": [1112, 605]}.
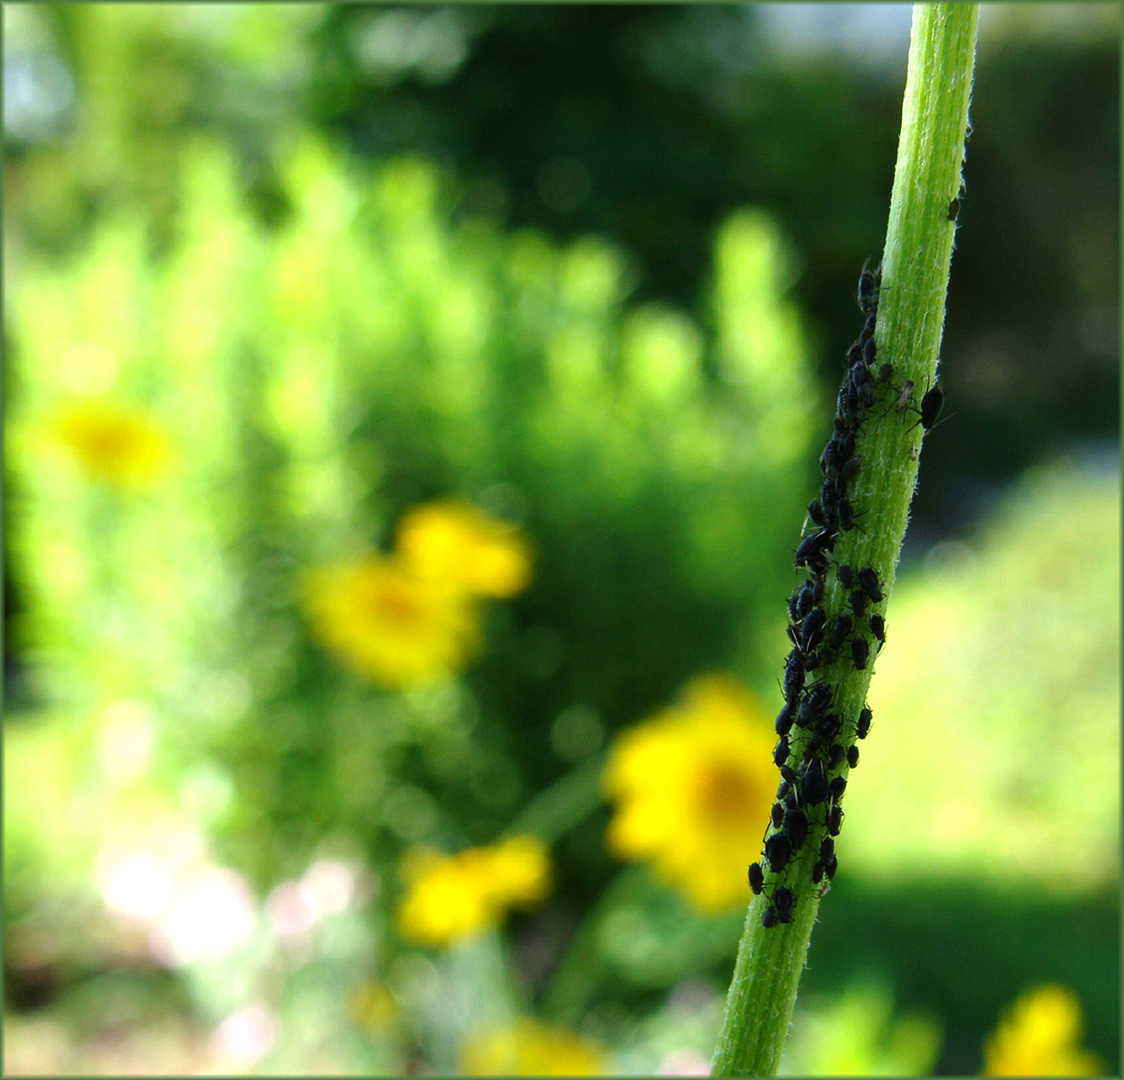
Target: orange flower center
{"type": "Point", "coordinates": [725, 793]}
{"type": "Point", "coordinates": [396, 603]}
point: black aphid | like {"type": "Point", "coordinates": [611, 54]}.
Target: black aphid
{"type": "Point", "coordinates": [878, 628]}
{"type": "Point", "coordinates": [953, 209]}
{"type": "Point", "coordinates": [815, 659]}
{"type": "Point", "coordinates": [780, 753]}
{"type": "Point", "coordinates": [840, 628]}
{"type": "Point", "coordinates": [808, 714]}
{"type": "Point", "coordinates": [813, 548]}
{"type": "Point", "coordinates": [863, 726]}
{"type": "Point", "coordinates": [769, 917]}
{"type": "Point", "coordinates": [857, 600]}
{"type": "Point", "coordinates": [931, 405]}
{"type": "Point", "coordinates": [868, 582]}
{"type": "Point", "coordinates": [848, 416]}
{"type": "Point", "coordinates": [869, 281]}
{"type": "Point", "coordinates": [784, 902]}
{"type": "Point", "coordinates": [837, 787]}
{"type": "Point", "coordinates": [850, 467]}
{"type": "Point", "coordinates": [845, 576]}
{"type": "Point", "coordinates": [860, 651]}
{"type": "Point", "coordinates": [785, 717]}
{"type": "Point", "coordinates": [885, 373]}
{"type": "Point", "coordinates": [812, 628]}
{"type": "Point", "coordinates": [793, 677]}
{"type": "Point", "coordinates": [796, 828]}
{"type": "Point", "coordinates": [756, 878]}
{"type": "Point", "coordinates": [825, 730]}
{"type": "Point", "coordinates": [803, 599]}
{"type": "Point", "coordinates": [827, 849]}
{"type": "Point", "coordinates": [778, 850]}
{"type": "Point", "coordinates": [852, 756]}
{"type": "Point", "coordinates": [820, 738]}
{"type": "Point", "coordinates": [814, 787]}
{"type": "Point", "coordinates": [776, 815]}
{"type": "Point", "coordinates": [835, 820]}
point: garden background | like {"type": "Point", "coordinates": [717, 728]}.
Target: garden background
{"type": "Point", "coordinates": [410, 416]}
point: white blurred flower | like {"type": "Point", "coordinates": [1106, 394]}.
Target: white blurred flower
{"type": "Point", "coordinates": [138, 875]}
{"type": "Point", "coordinates": [211, 916]}
{"type": "Point", "coordinates": [138, 885]}
{"type": "Point", "coordinates": [290, 914]}
{"type": "Point", "coordinates": [294, 908]}
{"type": "Point", "coordinates": [245, 1037]}
{"type": "Point", "coordinates": [328, 886]}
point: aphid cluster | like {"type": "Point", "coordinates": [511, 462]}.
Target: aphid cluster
{"type": "Point", "coordinates": [816, 742]}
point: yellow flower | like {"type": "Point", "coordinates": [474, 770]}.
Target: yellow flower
{"type": "Point", "coordinates": [694, 785]}
{"type": "Point", "coordinates": [109, 442]}
{"type": "Point", "coordinates": [453, 897]}
{"type": "Point", "coordinates": [389, 624]}
{"type": "Point", "coordinates": [531, 1048]}
{"type": "Point", "coordinates": [455, 542]}
{"type": "Point", "coordinates": [1039, 1036]}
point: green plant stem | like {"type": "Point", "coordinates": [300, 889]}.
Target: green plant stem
{"type": "Point", "coordinates": [915, 269]}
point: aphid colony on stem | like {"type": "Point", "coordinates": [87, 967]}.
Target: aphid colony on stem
{"type": "Point", "coordinates": [816, 742]}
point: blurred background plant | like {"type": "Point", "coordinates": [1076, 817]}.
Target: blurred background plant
{"type": "Point", "coordinates": [405, 415]}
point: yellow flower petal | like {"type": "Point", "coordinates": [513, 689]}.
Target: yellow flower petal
{"type": "Point", "coordinates": [520, 871]}
{"type": "Point", "coordinates": [455, 542]}
{"type": "Point", "coordinates": [111, 443]}
{"type": "Point", "coordinates": [389, 624]}
{"type": "Point", "coordinates": [693, 787]}
{"type": "Point", "coordinates": [450, 898]}
{"type": "Point", "coordinates": [531, 1048]}
{"type": "Point", "coordinates": [1040, 1036]}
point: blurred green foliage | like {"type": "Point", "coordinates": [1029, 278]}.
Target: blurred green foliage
{"type": "Point", "coordinates": [313, 382]}
{"type": "Point", "coordinates": [328, 331]}
{"type": "Point", "coordinates": [317, 381]}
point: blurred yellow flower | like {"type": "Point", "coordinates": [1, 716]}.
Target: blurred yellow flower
{"type": "Point", "coordinates": [455, 542]}
{"type": "Point", "coordinates": [1039, 1036]}
{"type": "Point", "coordinates": [531, 1048]}
{"type": "Point", "coordinates": [694, 785]}
{"type": "Point", "coordinates": [453, 897]}
{"type": "Point", "coordinates": [120, 446]}
{"type": "Point", "coordinates": [388, 623]}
